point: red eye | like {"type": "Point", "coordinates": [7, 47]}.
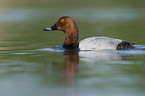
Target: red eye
{"type": "Point", "coordinates": [61, 20]}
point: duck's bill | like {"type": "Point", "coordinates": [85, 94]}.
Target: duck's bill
{"type": "Point", "coordinates": [54, 27]}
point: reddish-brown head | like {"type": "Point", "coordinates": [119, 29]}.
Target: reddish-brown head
{"type": "Point", "coordinates": [64, 23]}
{"type": "Point", "coordinates": [69, 27]}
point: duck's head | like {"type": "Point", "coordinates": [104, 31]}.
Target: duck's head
{"type": "Point", "coordinates": [69, 27]}
{"type": "Point", "coordinates": [64, 23]}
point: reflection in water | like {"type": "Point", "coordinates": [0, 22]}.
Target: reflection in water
{"type": "Point", "coordinates": [100, 55]}
{"type": "Point", "coordinates": [109, 55]}
{"type": "Point", "coordinates": [71, 62]}
{"type": "Point", "coordinates": [69, 68]}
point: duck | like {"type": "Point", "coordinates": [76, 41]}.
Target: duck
{"type": "Point", "coordinates": [68, 25]}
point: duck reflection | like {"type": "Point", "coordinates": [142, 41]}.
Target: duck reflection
{"type": "Point", "coordinates": [70, 70]}
{"type": "Point", "coordinates": [71, 62]}
{"type": "Point", "coordinates": [100, 55]}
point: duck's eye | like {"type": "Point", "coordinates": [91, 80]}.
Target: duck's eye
{"type": "Point", "coordinates": [61, 20]}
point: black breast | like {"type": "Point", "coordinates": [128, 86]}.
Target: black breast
{"type": "Point", "coordinates": [71, 47]}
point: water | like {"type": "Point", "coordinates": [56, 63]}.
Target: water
{"type": "Point", "coordinates": [30, 67]}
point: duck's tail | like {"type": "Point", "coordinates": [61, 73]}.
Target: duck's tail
{"type": "Point", "coordinates": [125, 45]}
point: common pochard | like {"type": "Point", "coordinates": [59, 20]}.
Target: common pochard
{"type": "Point", "coordinates": [69, 27]}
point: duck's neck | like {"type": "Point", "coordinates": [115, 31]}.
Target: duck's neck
{"type": "Point", "coordinates": [71, 38]}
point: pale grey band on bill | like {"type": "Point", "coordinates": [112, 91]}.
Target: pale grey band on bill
{"type": "Point", "coordinates": [49, 29]}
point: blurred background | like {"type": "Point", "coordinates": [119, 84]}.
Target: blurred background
{"type": "Point", "coordinates": [27, 71]}
{"type": "Point", "coordinates": [25, 19]}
